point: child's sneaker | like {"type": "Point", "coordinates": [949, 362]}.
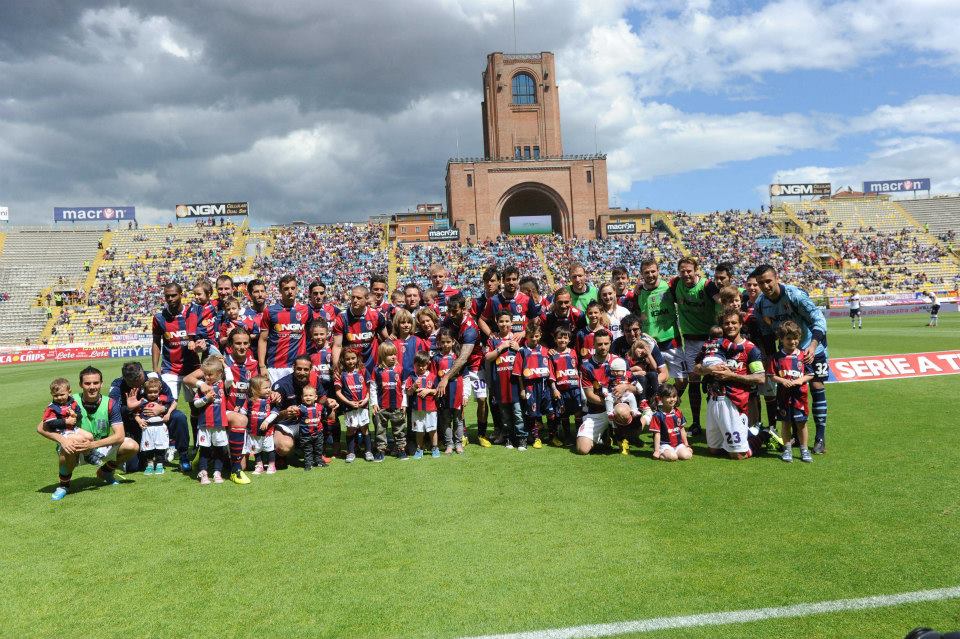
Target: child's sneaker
{"type": "Point", "coordinates": [448, 451]}
{"type": "Point", "coordinates": [508, 446]}
{"type": "Point", "coordinates": [258, 469]}
{"type": "Point", "coordinates": [271, 468]}
{"type": "Point", "coordinates": [556, 442]}
{"type": "Point", "coordinates": [484, 442]}
{"type": "Point", "coordinates": [307, 466]}
{"type": "Point", "coordinates": [805, 455]}
{"type": "Point", "coordinates": [368, 456]}
{"type": "Point", "coordinates": [378, 457]}
{"type": "Point", "coordinates": [149, 469]}
{"type": "Point", "coordinates": [402, 455]}
{"type": "Point", "coordinates": [217, 477]}
{"type": "Point", "coordinates": [158, 469]}
{"type": "Point", "coordinates": [522, 447]}
{"type": "Point", "coordinates": [321, 464]}
{"type": "Point", "coordinates": [435, 452]}
{"type": "Point", "coordinates": [239, 478]}
{"type": "Point", "coordinates": [418, 454]}
{"type": "Point", "coordinates": [203, 478]}
{"type": "Point", "coordinates": [58, 494]}
{"type": "Point", "coordinates": [537, 443]}
{"type": "Point", "coordinates": [326, 460]}
{"type": "Point", "coordinates": [464, 441]}
{"type": "Point", "coordinates": [624, 447]}
{"type": "Point", "coordinates": [458, 449]}
{"type": "Point", "coordinates": [787, 455]}
{"type": "Point", "coordinates": [350, 458]}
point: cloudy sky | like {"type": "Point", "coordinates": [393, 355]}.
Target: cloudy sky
{"type": "Point", "coordinates": [329, 111]}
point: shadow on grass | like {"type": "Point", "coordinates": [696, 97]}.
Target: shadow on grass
{"type": "Point", "coordinates": [83, 484]}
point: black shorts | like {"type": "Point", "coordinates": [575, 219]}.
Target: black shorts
{"type": "Point", "coordinates": [934, 309]}
{"type": "Point", "coordinates": [854, 312]}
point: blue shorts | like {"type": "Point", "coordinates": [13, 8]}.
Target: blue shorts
{"type": "Point", "coordinates": [791, 415]}
{"type": "Point", "coordinates": [570, 402]}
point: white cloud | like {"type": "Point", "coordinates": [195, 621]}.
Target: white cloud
{"type": "Point", "coordinates": [923, 114]}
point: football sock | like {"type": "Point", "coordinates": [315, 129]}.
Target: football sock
{"type": "Point", "coordinates": [65, 476]}
{"type": "Point", "coordinates": [204, 458]}
{"type": "Point", "coordinates": [218, 459]}
{"type": "Point", "coordinates": [236, 439]}
{"type": "Point", "coordinates": [771, 403]}
{"type": "Point", "coordinates": [695, 400]}
{"type": "Point", "coordinates": [368, 443]}
{"type": "Point", "coordinates": [819, 396]}
{"type": "Point", "coordinates": [351, 444]}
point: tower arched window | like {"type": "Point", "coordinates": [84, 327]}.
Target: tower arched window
{"type": "Point", "coordinates": [524, 89]}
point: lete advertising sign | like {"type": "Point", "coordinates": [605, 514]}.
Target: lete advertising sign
{"type": "Point", "coordinates": [93, 213]}
{"type": "Point", "coordinates": [212, 210]}
{"type": "Point", "coordinates": [67, 353]}
{"type": "Point", "coordinates": [897, 186]}
{"type": "Point", "coordinates": [817, 188]}
{"type": "Point", "coordinates": [865, 369]}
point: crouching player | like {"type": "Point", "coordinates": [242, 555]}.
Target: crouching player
{"type": "Point", "coordinates": [792, 374]}
{"type": "Point", "coordinates": [217, 428]}
{"type": "Point", "coordinates": [669, 428]}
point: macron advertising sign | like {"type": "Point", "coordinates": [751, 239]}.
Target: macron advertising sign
{"type": "Point", "coordinates": [897, 186]}
{"type": "Point", "coordinates": [93, 213]}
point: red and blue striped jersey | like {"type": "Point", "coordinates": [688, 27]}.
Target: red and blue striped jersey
{"type": "Point", "coordinates": [246, 321]}
{"type": "Point", "coordinates": [440, 301]}
{"type": "Point", "coordinates": [477, 304]}
{"type": "Point", "coordinates": [286, 333]}
{"type": "Point", "coordinates": [741, 358]}
{"type": "Point", "coordinates": [321, 371]}
{"type": "Point", "coordinates": [56, 411]}
{"type": "Point", "coordinates": [326, 310]}
{"type": "Point", "coordinates": [242, 373]}
{"type": "Point", "coordinates": [312, 417]}
{"type": "Point", "coordinates": [792, 366]}
{"type": "Point", "coordinates": [566, 369]}
{"type": "Point", "coordinates": [214, 414]}
{"type": "Point", "coordinates": [521, 308]}
{"type": "Point", "coordinates": [595, 375]}
{"type": "Point", "coordinates": [533, 366]}
{"type": "Point", "coordinates": [453, 396]}
{"type": "Point", "coordinates": [468, 332]}
{"type": "Point", "coordinates": [584, 342]}
{"type": "Point", "coordinates": [427, 380]}
{"type": "Point", "coordinates": [550, 322]}
{"type": "Point", "coordinates": [354, 385]}
{"type": "Point", "coordinates": [171, 333]}
{"type": "Point", "coordinates": [669, 425]}
{"type": "Point", "coordinates": [431, 342]}
{"type": "Point", "coordinates": [503, 385]}
{"type": "Point", "coordinates": [257, 411]}
{"type": "Point", "coordinates": [360, 333]}
{"type": "Point", "coordinates": [389, 382]}
{"type": "Point", "coordinates": [407, 349]}
{"type": "Point", "coordinates": [204, 323]}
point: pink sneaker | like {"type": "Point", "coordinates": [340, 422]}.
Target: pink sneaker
{"type": "Point", "coordinates": [217, 477]}
{"type": "Point", "coordinates": [271, 468]}
{"type": "Point", "coordinates": [258, 469]}
{"type": "Point", "coordinates": [203, 477]}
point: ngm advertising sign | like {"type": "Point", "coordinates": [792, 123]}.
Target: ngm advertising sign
{"type": "Point", "coordinates": [897, 186]}
{"type": "Point", "coordinates": [216, 209]}
{"type": "Point", "coordinates": [817, 188]}
{"type": "Point", "coordinates": [93, 213]}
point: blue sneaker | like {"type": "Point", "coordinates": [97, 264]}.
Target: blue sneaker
{"type": "Point", "coordinates": [106, 477]}
{"type": "Point", "coordinates": [58, 494]}
{"type": "Point", "coordinates": [418, 454]}
{"type": "Point", "coordinates": [158, 469]}
{"type": "Point", "coordinates": [435, 452]}
{"type": "Point", "coordinates": [402, 455]}
{"type": "Point", "coordinates": [149, 469]}
{"type": "Point", "coordinates": [185, 466]}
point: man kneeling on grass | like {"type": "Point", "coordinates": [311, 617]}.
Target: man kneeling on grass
{"type": "Point", "coordinates": [102, 442]}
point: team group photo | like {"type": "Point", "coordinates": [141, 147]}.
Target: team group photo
{"type": "Point", "coordinates": [329, 335]}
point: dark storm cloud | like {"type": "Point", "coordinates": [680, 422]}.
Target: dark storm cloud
{"type": "Point", "coordinates": [313, 110]}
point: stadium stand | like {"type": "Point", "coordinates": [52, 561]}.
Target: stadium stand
{"type": "Point", "coordinates": [939, 215]}
{"type": "Point", "coordinates": [36, 260]}
{"type": "Point", "coordinates": [602, 256]}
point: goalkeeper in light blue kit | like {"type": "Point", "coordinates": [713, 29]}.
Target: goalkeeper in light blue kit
{"type": "Point", "coordinates": [778, 303]}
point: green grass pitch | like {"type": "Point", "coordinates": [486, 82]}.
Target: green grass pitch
{"type": "Point", "coordinates": [501, 541]}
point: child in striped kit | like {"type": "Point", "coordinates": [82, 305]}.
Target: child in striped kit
{"type": "Point", "coordinates": [260, 417]}
{"type": "Point", "coordinates": [450, 406]}
{"type": "Point", "coordinates": [535, 379]}
{"type": "Point", "coordinates": [421, 388]}
{"type": "Point", "coordinates": [311, 429]}
{"type": "Point", "coordinates": [388, 402]}
{"type": "Point", "coordinates": [353, 393]}
{"type": "Point", "coordinates": [213, 420]}
{"type": "Point", "coordinates": [567, 396]}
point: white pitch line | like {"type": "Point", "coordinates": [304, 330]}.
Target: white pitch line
{"type": "Point", "coordinates": [733, 616]}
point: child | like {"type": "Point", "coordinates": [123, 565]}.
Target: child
{"type": "Point", "coordinates": [213, 420]}
{"type": "Point", "coordinates": [154, 434]}
{"type": "Point", "coordinates": [421, 388]}
{"type": "Point", "coordinates": [60, 419]}
{"type": "Point", "coordinates": [792, 373]}
{"type": "Point", "coordinates": [388, 402]}
{"type": "Point", "coordinates": [729, 298]}
{"type": "Point", "coordinates": [596, 319]}
{"type": "Point", "coordinates": [427, 323]}
{"type": "Point", "coordinates": [622, 408]}
{"type": "Point", "coordinates": [567, 396]}
{"type": "Point", "coordinates": [232, 318]}
{"type": "Point", "coordinates": [536, 380]}
{"type": "Point", "coordinates": [711, 348]}
{"type": "Point", "coordinates": [353, 393]}
{"type": "Point", "coordinates": [669, 435]}
{"type": "Point", "coordinates": [450, 406]}
{"type": "Point", "coordinates": [311, 429]}
{"type": "Point", "coordinates": [504, 392]}
{"type": "Point", "coordinates": [643, 366]}
{"type": "Point", "coordinates": [321, 378]}
{"type": "Point", "coordinates": [260, 417]}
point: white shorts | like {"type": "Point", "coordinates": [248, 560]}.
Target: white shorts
{"type": "Point", "coordinates": [691, 348]}
{"type": "Point", "coordinates": [290, 430]}
{"type": "Point", "coordinates": [474, 385]}
{"type": "Point", "coordinates": [207, 437]}
{"type": "Point", "coordinates": [726, 426]}
{"type": "Point", "coordinates": [673, 358]}
{"type": "Point", "coordinates": [155, 437]}
{"type": "Point", "coordinates": [276, 374]}
{"type": "Point", "coordinates": [260, 443]}
{"type": "Point", "coordinates": [593, 426]}
{"type": "Point", "coordinates": [356, 418]}
{"type": "Point", "coordinates": [424, 422]}
{"type": "Point", "coordinates": [666, 447]}
{"type": "Point", "coordinates": [174, 382]}
{"type": "Point", "coordinates": [99, 456]}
